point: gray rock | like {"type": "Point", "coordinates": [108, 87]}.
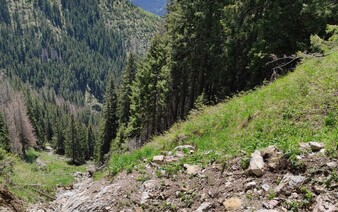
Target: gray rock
{"type": "Point", "coordinates": [256, 164]}
{"type": "Point", "coordinates": [296, 181]}
{"type": "Point", "coordinates": [290, 180]}
{"type": "Point", "coordinates": [250, 185]}
{"type": "Point", "coordinates": [159, 159]}
{"type": "Point", "coordinates": [144, 198]}
{"type": "Point", "coordinates": [266, 187]}
{"type": "Point", "coordinates": [268, 152]}
{"type": "Point", "coordinates": [204, 207]}
{"type": "Point", "coordinates": [271, 204]}
{"type": "Point", "coordinates": [181, 148]}
{"type": "Point", "coordinates": [332, 164]}
{"type": "Point", "coordinates": [316, 146]}
{"type": "Point", "coordinates": [192, 169]}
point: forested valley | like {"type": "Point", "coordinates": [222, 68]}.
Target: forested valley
{"type": "Point", "coordinates": [95, 79]}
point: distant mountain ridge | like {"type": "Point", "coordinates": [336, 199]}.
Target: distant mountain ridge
{"type": "Point", "coordinates": [157, 7]}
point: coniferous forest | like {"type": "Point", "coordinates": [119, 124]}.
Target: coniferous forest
{"type": "Point", "coordinates": [122, 75]}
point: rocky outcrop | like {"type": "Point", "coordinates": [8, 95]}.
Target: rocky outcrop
{"type": "Point", "coordinates": [8, 202]}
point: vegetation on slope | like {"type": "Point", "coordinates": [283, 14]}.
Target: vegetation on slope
{"type": "Point", "coordinates": [299, 107]}
{"type": "Point", "coordinates": [37, 181]}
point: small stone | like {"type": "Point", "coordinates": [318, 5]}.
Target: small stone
{"type": "Point", "coordinates": [332, 164]}
{"type": "Point", "coordinates": [319, 189]}
{"type": "Point", "coordinates": [296, 181]}
{"type": "Point", "coordinates": [228, 184]}
{"type": "Point", "coordinates": [192, 169]}
{"type": "Point", "coordinates": [159, 159]}
{"type": "Point", "coordinates": [171, 159]}
{"type": "Point", "coordinates": [316, 146]}
{"type": "Point", "coordinates": [266, 210]}
{"type": "Point", "coordinates": [232, 204]}
{"type": "Point", "coordinates": [271, 204]}
{"type": "Point", "coordinates": [144, 198]}
{"type": "Point", "coordinates": [250, 185]}
{"type": "Point", "coordinates": [298, 157]}
{"type": "Point", "coordinates": [138, 209]}
{"type": "Point", "coordinates": [290, 180]}
{"type": "Point", "coordinates": [294, 196]}
{"type": "Point", "coordinates": [179, 154]}
{"type": "Point", "coordinates": [204, 207]}
{"type": "Point", "coordinates": [266, 187]}
{"type": "Point", "coordinates": [181, 148]}
{"type": "Point", "coordinates": [256, 164]}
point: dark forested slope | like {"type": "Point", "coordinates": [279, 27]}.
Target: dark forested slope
{"type": "Point", "coordinates": [71, 45]}
{"type": "Point", "coordinates": [157, 7]}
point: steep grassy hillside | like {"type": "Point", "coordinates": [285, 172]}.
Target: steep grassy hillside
{"type": "Point", "coordinates": [299, 107]}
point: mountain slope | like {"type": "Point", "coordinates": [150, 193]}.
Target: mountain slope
{"type": "Point", "coordinates": [157, 7]}
{"type": "Point", "coordinates": [68, 46]}
{"type": "Point", "coordinates": [298, 108]}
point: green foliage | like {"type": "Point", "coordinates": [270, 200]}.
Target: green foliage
{"type": "Point", "coordinates": [149, 100]}
{"type": "Point", "coordinates": [31, 155]}
{"type": "Point", "coordinates": [27, 179]}
{"type": "Point", "coordinates": [109, 123]}
{"type": "Point", "coordinates": [4, 139]}
{"type": "Point", "coordinates": [75, 143]}
{"type": "Point", "coordinates": [74, 45]}
{"type": "Point", "coordinates": [219, 127]}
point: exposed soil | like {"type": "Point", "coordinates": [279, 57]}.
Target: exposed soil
{"type": "Point", "coordinates": [312, 186]}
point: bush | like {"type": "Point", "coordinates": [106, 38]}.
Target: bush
{"type": "Point", "coordinates": [31, 155]}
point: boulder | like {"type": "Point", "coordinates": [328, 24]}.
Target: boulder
{"type": "Point", "coordinates": [316, 146]}
{"type": "Point", "coordinates": [256, 164]}
{"type": "Point", "coordinates": [204, 207]}
{"type": "Point", "coordinates": [232, 204]}
{"type": "Point", "coordinates": [192, 169]}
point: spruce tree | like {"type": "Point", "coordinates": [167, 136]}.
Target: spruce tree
{"type": "Point", "coordinates": [4, 134]}
{"type": "Point", "coordinates": [150, 93]}
{"type": "Point", "coordinates": [109, 123]}
{"type": "Point", "coordinates": [125, 90]}
{"type": "Point", "coordinates": [74, 145]}
{"type": "Point", "coordinates": [90, 139]}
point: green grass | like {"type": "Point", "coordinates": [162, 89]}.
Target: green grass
{"type": "Point", "coordinates": [300, 107]}
{"type": "Point", "coordinates": [32, 183]}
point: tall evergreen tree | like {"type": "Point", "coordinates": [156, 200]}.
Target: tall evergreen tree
{"type": "Point", "coordinates": [125, 90]}
{"type": "Point", "coordinates": [109, 122]}
{"type": "Point", "coordinates": [4, 134]}
{"type": "Point", "coordinates": [74, 144]}
{"type": "Point", "coordinates": [150, 93]}
{"type": "Point", "coordinates": [90, 139]}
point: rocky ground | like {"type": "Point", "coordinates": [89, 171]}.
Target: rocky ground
{"type": "Point", "coordinates": [270, 183]}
